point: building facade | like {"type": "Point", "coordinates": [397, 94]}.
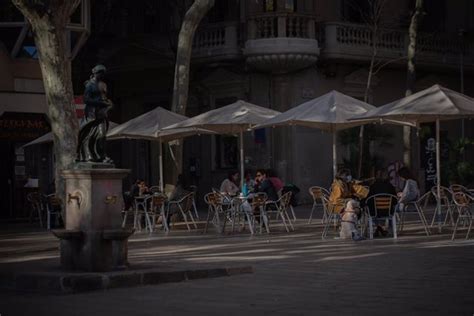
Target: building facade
{"type": "Point", "coordinates": [277, 54]}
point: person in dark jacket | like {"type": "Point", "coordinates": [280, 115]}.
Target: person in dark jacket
{"type": "Point", "coordinates": [263, 184]}
{"type": "Point", "coordinates": [381, 185]}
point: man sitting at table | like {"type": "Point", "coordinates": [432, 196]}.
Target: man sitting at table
{"type": "Point", "coordinates": [263, 184]}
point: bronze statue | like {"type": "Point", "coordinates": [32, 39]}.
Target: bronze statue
{"type": "Point", "coordinates": [95, 123]}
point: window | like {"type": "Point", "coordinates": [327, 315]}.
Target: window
{"type": "Point", "coordinates": [290, 5]}
{"type": "Point", "coordinates": [353, 11]}
{"type": "Point", "coordinates": [435, 16]}
{"type": "Point", "coordinates": [269, 5]}
{"type": "Point", "coordinates": [219, 12]}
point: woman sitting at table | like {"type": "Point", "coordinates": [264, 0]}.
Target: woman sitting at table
{"type": "Point", "coordinates": [410, 192]}
{"type": "Point", "coordinates": [340, 191]}
{"type": "Point", "coordinates": [344, 188]}
{"type": "Point", "coordinates": [229, 186]}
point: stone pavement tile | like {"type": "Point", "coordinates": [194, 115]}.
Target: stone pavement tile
{"type": "Point", "coordinates": [295, 274]}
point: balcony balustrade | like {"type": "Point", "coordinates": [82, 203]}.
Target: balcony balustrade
{"type": "Point", "coordinates": [281, 42]}
{"type": "Point", "coordinates": [218, 41]}
{"type": "Point", "coordinates": [347, 41]}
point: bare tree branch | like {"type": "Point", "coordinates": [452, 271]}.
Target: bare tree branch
{"type": "Point", "coordinates": [388, 63]}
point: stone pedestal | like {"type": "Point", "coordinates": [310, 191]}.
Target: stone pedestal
{"type": "Point", "coordinates": [93, 238]}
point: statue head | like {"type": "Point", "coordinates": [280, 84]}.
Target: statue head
{"type": "Point", "coordinates": [99, 71]}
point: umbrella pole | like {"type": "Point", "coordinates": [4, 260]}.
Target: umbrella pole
{"type": "Point", "coordinates": [242, 161]}
{"type": "Point", "coordinates": [438, 175]}
{"type": "Point", "coordinates": [334, 154]}
{"type": "Point", "coordinates": [160, 161]}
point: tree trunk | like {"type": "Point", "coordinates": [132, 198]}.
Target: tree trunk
{"type": "Point", "coordinates": [183, 60]}
{"type": "Point", "coordinates": [411, 74]}
{"type": "Point", "coordinates": [366, 97]}
{"type": "Point", "coordinates": [48, 19]}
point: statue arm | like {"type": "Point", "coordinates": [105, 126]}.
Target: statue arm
{"type": "Point", "coordinates": [92, 100]}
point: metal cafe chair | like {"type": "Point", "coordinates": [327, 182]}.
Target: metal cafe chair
{"type": "Point", "coordinates": [317, 193]}
{"type": "Point", "coordinates": [184, 205]}
{"type": "Point", "coordinates": [157, 207]}
{"type": "Point", "coordinates": [331, 216]}
{"type": "Point", "coordinates": [194, 189]}
{"type": "Point", "coordinates": [53, 207]}
{"type": "Point", "coordinates": [292, 210]}
{"type": "Point", "coordinates": [241, 208]}
{"type": "Point", "coordinates": [140, 209]}
{"type": "Point", "coordinates": [463, 207]}
{"type": "Point", "coordinates": [37, 206]}
{"type": "Point", "coordinates": [383, 209]}
{"type": "Point", "coordinates": [416, 206]}
{"type": "Point", "coordinates": [445, 202]}
{"type": "Point", "coordinates": [258, 203]}
{"type": "Point", "coordinates": [214, 200]}
{"type": "Point", "coordinates": [154, 189]}
{"type": "Point", "coordinates": [458, 188]}
{"type": "Point", "coordinates": [281, 207]}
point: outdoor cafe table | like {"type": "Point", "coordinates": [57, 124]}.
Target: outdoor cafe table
{"type": "Point", "coordinates": [239, 207]}
{"type": "Point", "coordinates": [141, 201]}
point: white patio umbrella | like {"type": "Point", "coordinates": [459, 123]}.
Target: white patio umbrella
{"type": "Point", "coordinates": [329, 112]}
{"type": "Point", "coordinates": [149, 126]}
{"type": "Point", "coordinates": [48, 137]}
{"type": "Point", "coordinates": [433, 104]}
{"type": "Point", "coordinates": [234, 118]}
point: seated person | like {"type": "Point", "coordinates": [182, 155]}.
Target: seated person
{"type": "Point", "coordinates": [340, 191]}
{"type": "Point", "coordinates": [344, 188]}
{"type": "Point", "coordinates": [229, 185]}
{"type": "Point", "coordinates": [410, 192]}
{"type": "Point", "coordinates": [263, 184]}
{"type": "Point", "coordinates": [143, 188]}
{"type": "Point", "coordinates": [277, 183]}
{"type": "Point", "coordinates": [135, 188]}
{"type": "Point", "coordinates": [180, 189]}
{"type": "Point", "coordinates": [381, 185]}
{"type": "Point", "coordinates": [249, 181]}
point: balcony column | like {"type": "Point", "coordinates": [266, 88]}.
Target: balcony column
{"type": "Point", "coordinates": [311, 28]}
{"type": "Point", "coordinates": [230, 35]}
{"type": "Point", "coordinates": [282, 26]}
{"type": "Point", "coordinates": [251, 29]}
{"type": "Point", "coordinates": [330, 35]}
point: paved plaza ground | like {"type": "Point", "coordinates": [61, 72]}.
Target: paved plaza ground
{"type": "Point", "coordinates": [295, 273]}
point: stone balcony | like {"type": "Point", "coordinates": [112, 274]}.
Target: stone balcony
{"type": "Point", "coordinates": [217, 42]}
{"type": "Point", "coordinates": [281, 42]}
{"type": "Point", "coordinates": [352, 42]}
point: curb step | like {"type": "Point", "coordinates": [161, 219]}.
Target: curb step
{"type": "Point", "coordinates": [69, 283]}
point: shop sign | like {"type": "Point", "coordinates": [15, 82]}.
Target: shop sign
{"type": "Point", "coordinates": [22, 126]}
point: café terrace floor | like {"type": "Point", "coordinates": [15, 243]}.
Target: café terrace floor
{"type": "Point", "coordinates": [294, 273]}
